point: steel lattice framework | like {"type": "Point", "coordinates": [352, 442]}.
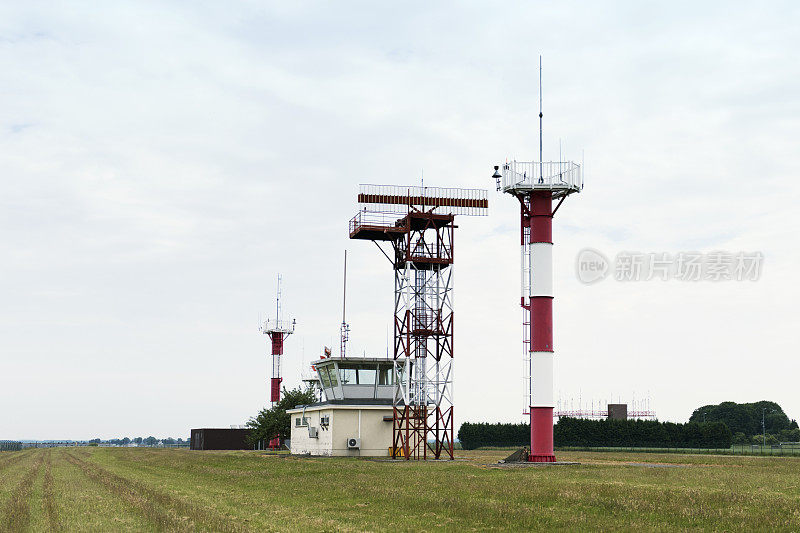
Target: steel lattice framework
{"type": "Point", "coordinates": [423, 253]}
{"type": "Point", "coordinates": [423, 333]}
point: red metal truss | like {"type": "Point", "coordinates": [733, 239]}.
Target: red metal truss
{"type": "Point", "coordinates": [419, 223]}
{"type": "Point", "coordinates": [423, 254]}
{"type": "Point", "coordinates": [424, 336]}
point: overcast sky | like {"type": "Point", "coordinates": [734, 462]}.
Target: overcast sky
{"type": "Point", "coordinates": [161, 162]}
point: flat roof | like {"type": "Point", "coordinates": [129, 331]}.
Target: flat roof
{"type": "Point", "coordinates": [221, 429]}
{"type": "Point", "coordinates": [345, 404]}
{"type": "Point", "coordinates": [354, 360]}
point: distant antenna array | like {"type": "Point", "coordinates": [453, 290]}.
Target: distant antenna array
{"type": "Point", "coordinates": [598, 409]}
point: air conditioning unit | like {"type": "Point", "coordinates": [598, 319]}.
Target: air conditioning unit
{"type": "Point", "coordinates": [312, 432]}
{"type": "Point", "coordinates": [353, 443]}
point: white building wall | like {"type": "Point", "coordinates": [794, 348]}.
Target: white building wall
{"type": "Point", "coordinates": [375, 433]}
{"type": "Point", "coordinates": [301, 442]}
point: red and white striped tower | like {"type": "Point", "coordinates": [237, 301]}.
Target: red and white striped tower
{"type": "Point", "coordinates": [540, 310]}
{"type": "Point", "coordinates": [536, 184]}
{"type": "Point", "coordinates": [277, 330]}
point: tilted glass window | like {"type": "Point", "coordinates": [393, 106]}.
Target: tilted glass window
{"type": "Point", "coordinates": [358, 373]}
{"type": "Point", "coordinates": [367, 374]}
{"type": "Point", "coordinates": [325, 376]}
{"type": "Point", "coordinates": [386, 375]}
{"type": "Point", "coordinates": [348, 373]}
{"type": "Point", "coordinates": [332, 376]}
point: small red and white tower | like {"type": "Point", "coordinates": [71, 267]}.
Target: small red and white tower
{"type": "Point", "coordinates": [277, 330]}
{"type": "Point", "coordinates": [535, 184]}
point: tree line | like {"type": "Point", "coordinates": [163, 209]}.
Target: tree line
{"type": "Point", "coordinates": [641, 433]}
{"type": "Point", "coordinates": [139, 441]}
{"type": "Point", "coordinates": [710, 426]}
{"type": "Point", "coordinates": [583, 432]}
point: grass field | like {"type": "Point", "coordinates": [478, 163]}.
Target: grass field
{"type": "Point", "coordinates": [130, 489]}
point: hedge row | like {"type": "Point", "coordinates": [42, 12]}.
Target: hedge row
{"type": "Point", "coordinates": [651, 433]}
{"type": "Point", "coordinates": [581, 432]}
{"type": "Point", "coordinates": [483, 434]}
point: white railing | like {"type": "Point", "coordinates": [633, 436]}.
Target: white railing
{"type": "Point", "coordinates": [527, 175]}
{"type": "Point", "coordinates": [282, 325]}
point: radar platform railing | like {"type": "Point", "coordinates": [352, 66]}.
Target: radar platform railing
{"type": "Point", "coordinates": [544, 175]}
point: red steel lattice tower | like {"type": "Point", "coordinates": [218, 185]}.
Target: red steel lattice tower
{"type": "Point", "coordinates": [277, 330]}
{"type": "Point", "coordinates": [418, 222]}
{"type": "Point", "coordinates": [536, 184]}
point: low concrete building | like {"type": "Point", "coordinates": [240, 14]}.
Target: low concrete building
{"type": "Point", "coordinates": [617, 411]}
{"type": "Point", "coordinates": [342, 429]}
{"type": "Point", "coordinates": [355, 419]}
{"type": "Point", "coordinates": [219, 439]}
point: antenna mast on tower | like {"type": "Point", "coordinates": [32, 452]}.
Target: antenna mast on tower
{"type": "Point", "coordinates": [540, 118]}
{"type": "Point", "coordinates": [345, 330]}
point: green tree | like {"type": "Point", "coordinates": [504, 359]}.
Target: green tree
{"type": "Point", "coordinates": [740, 438]}
{"type": "Point", "coordinates": [275, 421]}
{"type": "Point", "coordinates": [790, 435]}
{"type": "Point", "coordinates": [745, 417]}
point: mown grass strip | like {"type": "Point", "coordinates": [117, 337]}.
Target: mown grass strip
{"type": "Point", "coordinates": [16, 511]}
{"type": "Point", "coordinates": [166, 512]}
{"type": "Point", "coordinates": [162, 520]}
{"type": "Point", "coordinates": [49, 496]}
{"type": "Point", "coordinates": [10, 458]}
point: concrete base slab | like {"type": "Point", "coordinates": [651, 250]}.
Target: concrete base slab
{"type": "Point", "coordinates": [525, 464]}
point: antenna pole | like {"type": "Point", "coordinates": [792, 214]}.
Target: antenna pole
{"type": "Point", "coordinates": [541, 175]}
{"type": "Point", "coordinates": [345, 332]}
{"type": "Point", "coordinates": [344, 289]}
{"type": "Point", "coordinates": [278, 301]}
{"type": "Point", "coordinates": [422, 186]}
